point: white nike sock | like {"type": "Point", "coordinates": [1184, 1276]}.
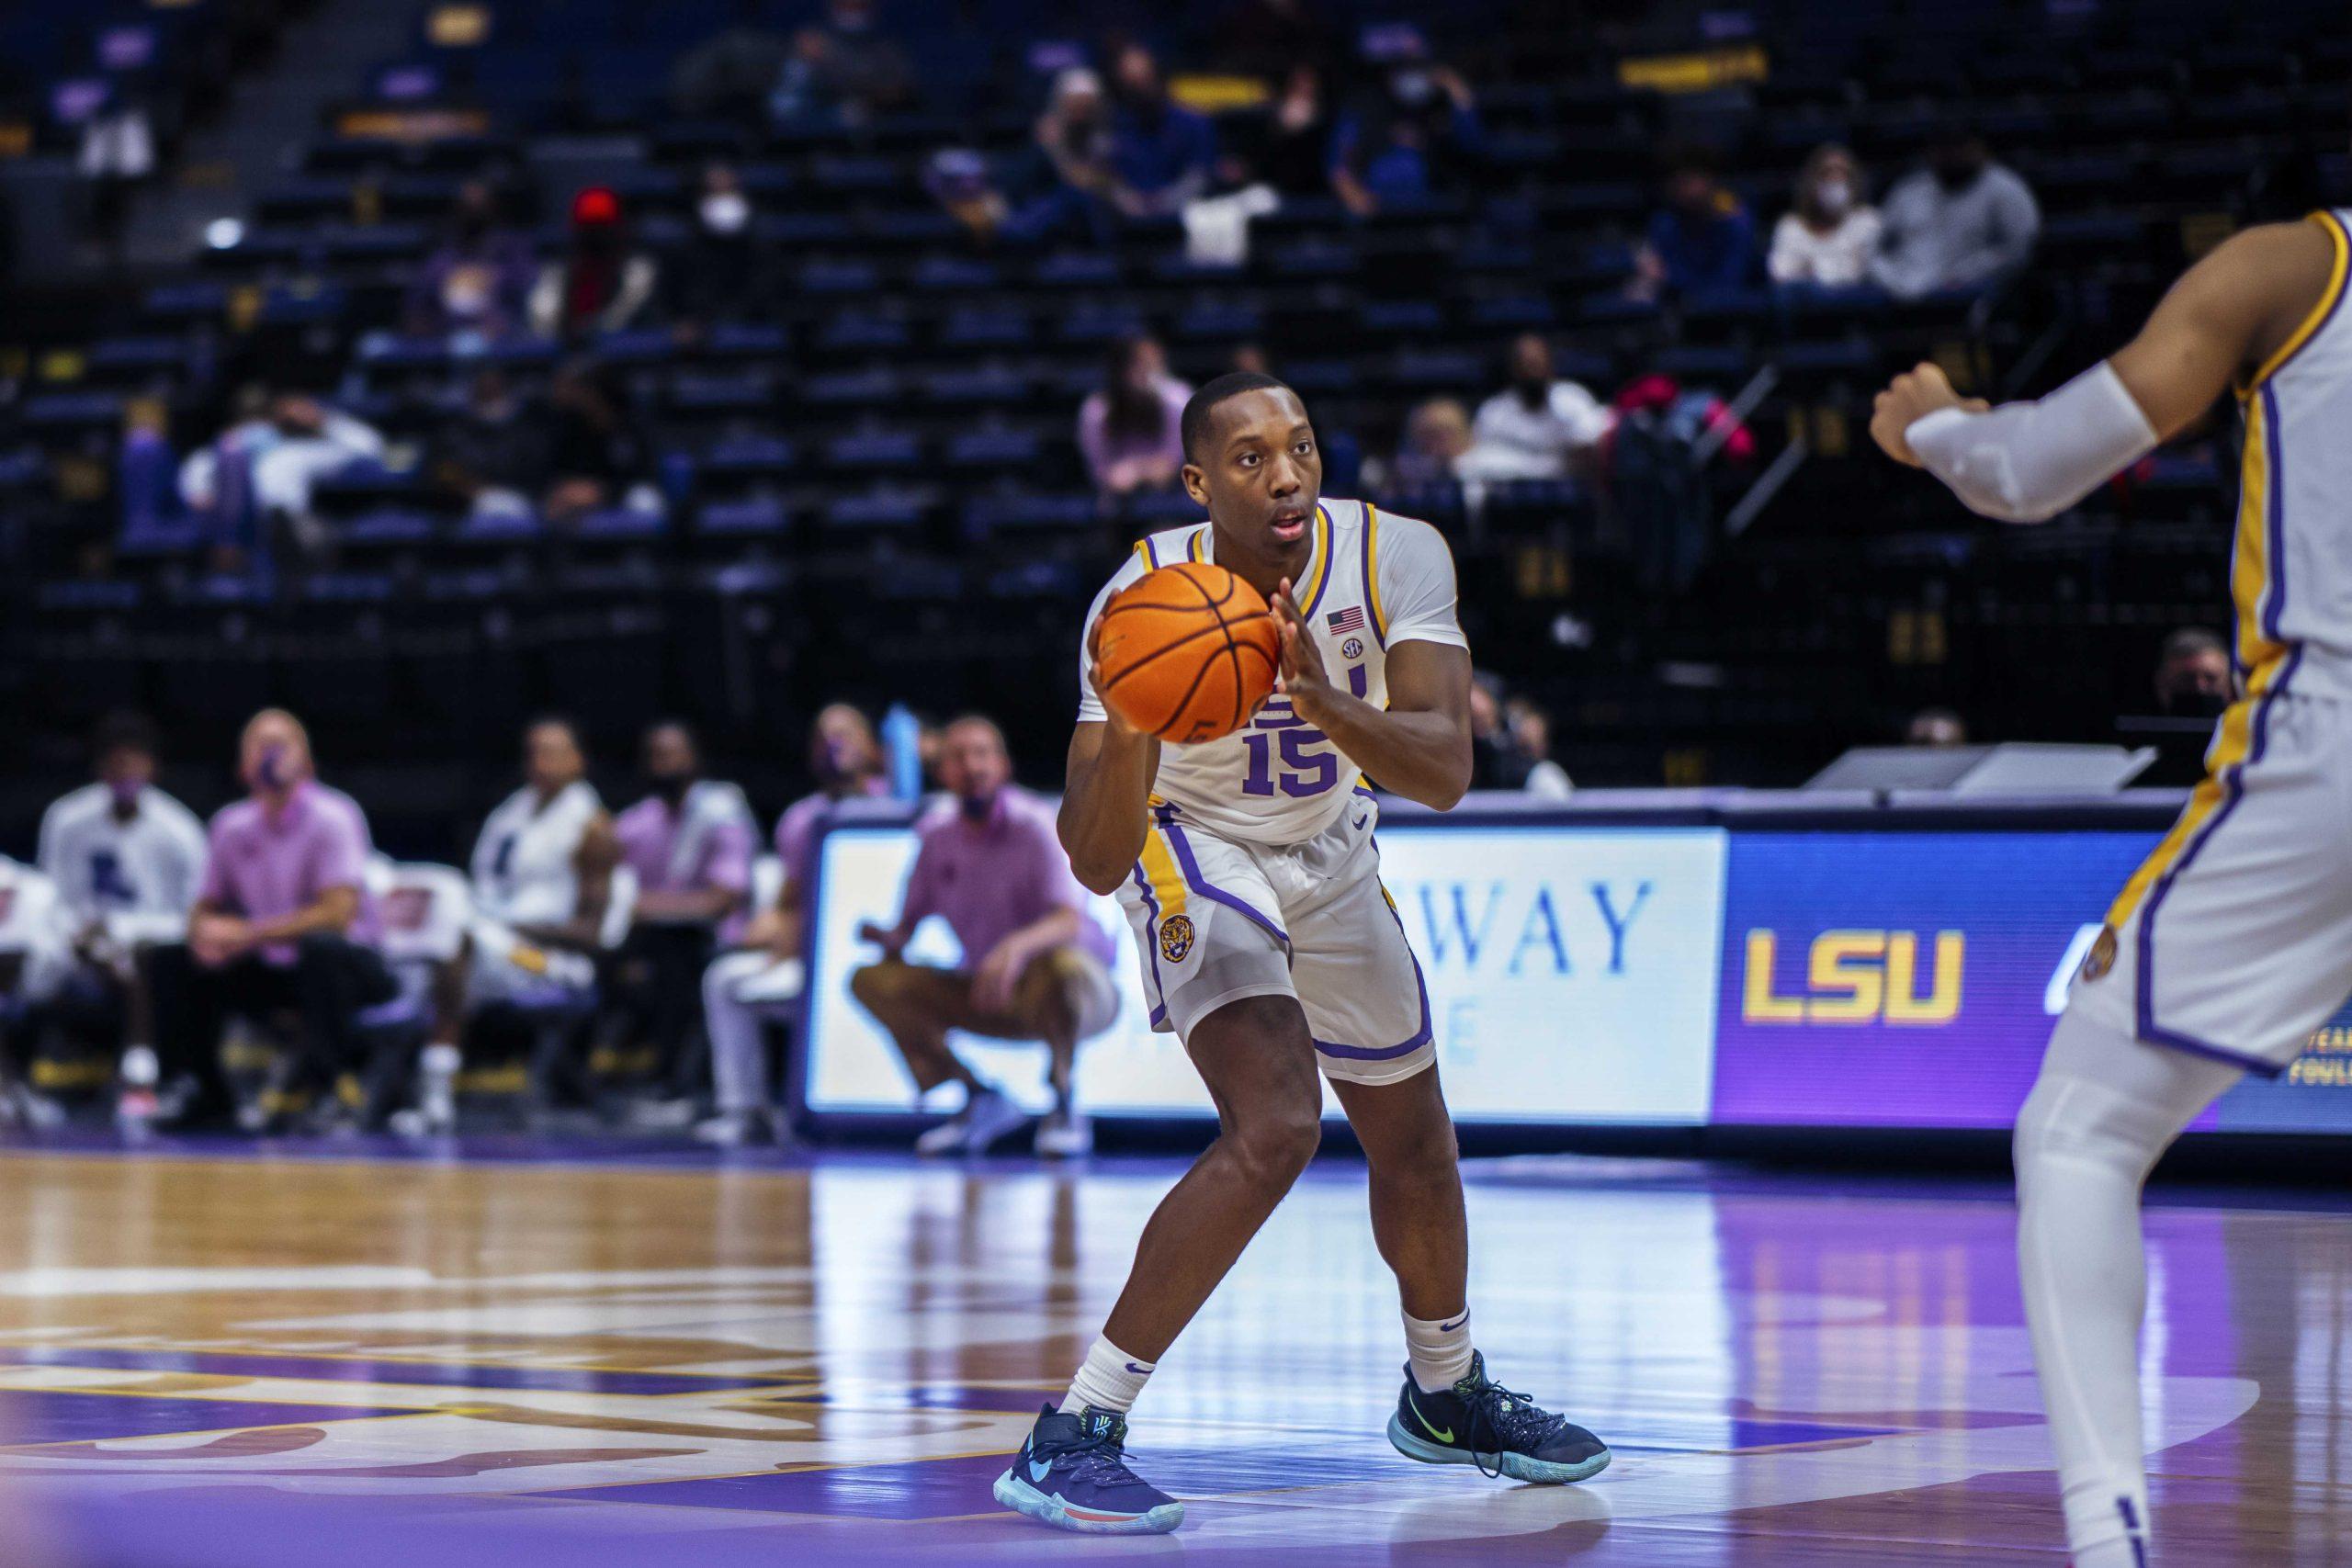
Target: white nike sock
{"type": "Point", "coordinates": [1109, 1379]}
{"type": "Point", "coordinates": [1439, 1349]}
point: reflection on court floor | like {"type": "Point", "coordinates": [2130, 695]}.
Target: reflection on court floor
{"type": "Point", "coordinates": [252, 1360]}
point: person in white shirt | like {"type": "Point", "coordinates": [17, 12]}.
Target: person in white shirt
{"type": "Point", "coordinates": [542, 873]}
{"type": "Point", "coordinates": [126, 859]}
{"type": "Point", "coordinates": [264, 467]}
{"type": "Point", "coordinates": [1830, 234]}
{"type": "Point", "coordinates": [1536, 428]}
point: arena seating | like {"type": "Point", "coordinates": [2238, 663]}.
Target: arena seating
{"type": "Point", "coordinates": [866, 472]}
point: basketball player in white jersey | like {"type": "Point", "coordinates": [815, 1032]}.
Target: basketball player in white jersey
{"type": "Point", "coordinates": [2234, 941]}
{"type": "Point", "coordinates": [127, 860]}
{"type": "Point", "coordinates": [1247, 868]}
{"type": "Point", "coordinates": [542, 873]}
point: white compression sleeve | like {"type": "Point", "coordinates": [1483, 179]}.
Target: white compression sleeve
{"type": "Point", "coordinates": [2026, 462]}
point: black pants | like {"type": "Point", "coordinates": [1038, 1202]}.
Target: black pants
{"type": "Point", "coordinates": [654, 985]}
{"type": "Point", "coordinates": [330, 982]}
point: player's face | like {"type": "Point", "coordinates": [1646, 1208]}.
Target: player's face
{"type": "Point", "coordinates": [551, 757]}
{"type": "Point", "coordinates": [1259, 472]}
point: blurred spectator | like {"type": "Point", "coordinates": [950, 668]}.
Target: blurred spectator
{"type": "Point", "coordinates": [479, 279]}
{"type": "Point", "coordinates": [496, 453]}
{"type": "Point", "coordinates": [1662, 476]}
{"type": "Point", "coordinates": [690, 843]}
{"type": "Point", "coordinates": [35, 972]}
{"type": "Point", "coordinates": [283, 921]}
{"type": "Point", "coordinates": [1936, 727]}
{"type": "Point", "coordinates": [2193, 675]}
{"type": "Point", "coordinates": [126, 859]}
{"type": "Point", "coordinates": [844, 72]}
{"type": "Point", "coordinates": [960, 180]}
{"type": "Point", "coordinates": [1536, 428]}
{"type": "Point", "coordinates": [601, 283]}
{"type": "Point", "coordinates": [1702, 241]}
{"type": "Point", "coordinates": [1160, 152]}
{"type": "Point", "coordinates": [1437, 437]}
{"type": "Point", "coordinates": [1531, 732]}
{"type": "Point", "coordinates": [118, 155]}
{"type": "Point", "coordinates": [1077, 187]}
{"type": "Point", "coordinates": [720, 277]}
{"type": "Point", "coordinates": [741, 990]}
{"type": "Point", "coordinates": [597, 455]}
{"type": "Point", "coordinates": [1034, 966]}
{"type": "Point", "coordinates": [731, 74]}
{"type": "Point", "coordinates": [542, 874]}
{"type": "Point", "coordinates": [1496, 759]}
{"type": "Point", "coordinates": [1829, 236]}
{"type": "Point", "coordinates": [1962, 222]}
{"type": "Point", "coordinates": [1127, 430]}
{"type": "Point", "coordinates": [147, 470]}
{"type": "Point", "coordinates": [1410, 134]}
{"type": "Point", "coordinates": [254, 482]}
{"type": "Point", "coordinates": [1293, 145]}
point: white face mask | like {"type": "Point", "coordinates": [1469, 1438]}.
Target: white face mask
{"type": "Point", "coordinates": [725, 212]}
{"type": "Point", "coordinates": [1832, 197]}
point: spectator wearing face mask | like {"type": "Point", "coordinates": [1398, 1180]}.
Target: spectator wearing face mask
{"type": "Point", "coordinates": [1962, 222]}
{"type": "Point", "coordinates": [1538, 427]}
{"type": "Point", "coordinates": [764, 976]}
{"type": "Point", "coordinates": [1073, 186]}
{"type": "Point", "coordinates": [1160, 152]}
{"type": "Point", "coordinates": [689, 842]}
{"type": "Point", "coordinates": [1829, 236]}
{"type": "Point", "coordinates": [479, 279]}
{"type": "Point", "coordinates": [1035, 964]}
{"type": "Point", "coordinates": [721, 278]}
{"type": "Point", "coordinates": [1702, 241]}
{"type": "Point", "coordinates": [1410, 136]}
{"type": "Point", "coordinates": [2193, 686]}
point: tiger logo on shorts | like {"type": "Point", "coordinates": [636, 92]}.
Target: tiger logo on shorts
{"type": "Point", "coordinates": [2101, 957]}
{"type": "Point", "coordinates": [1175, 938]}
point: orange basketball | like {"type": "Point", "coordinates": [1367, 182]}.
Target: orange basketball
{"type": "Point", "coordinates": [1187, 652]}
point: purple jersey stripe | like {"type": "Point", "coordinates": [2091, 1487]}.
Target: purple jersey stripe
{"type": "Point", "coordinates": [1202, 885]}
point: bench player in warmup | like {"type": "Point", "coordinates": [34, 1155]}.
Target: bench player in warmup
{"type": "Point", "coordinates": [2234, 942]}
{"type": "Point", "coordinates": [1247, 868]}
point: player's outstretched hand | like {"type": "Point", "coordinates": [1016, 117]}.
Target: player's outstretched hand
{"type": "Point", "coordinates": [1303, 678]}
{"type": "Point", "coordinates": [1909, 398]}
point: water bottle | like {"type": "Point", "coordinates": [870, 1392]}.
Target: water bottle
{"type": "Point", "coordinates": [902, 743]}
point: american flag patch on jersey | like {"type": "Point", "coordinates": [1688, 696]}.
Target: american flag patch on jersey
{"type": "Point", "coordinates": [1342, 622]}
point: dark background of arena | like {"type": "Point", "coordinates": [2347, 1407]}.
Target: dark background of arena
{"type": "Point", "coordinates": [871, 488]}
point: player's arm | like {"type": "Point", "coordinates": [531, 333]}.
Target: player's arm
{"type": "Point", "coordinates": [592, 867]}
{"type": "Point", "coordinates": [1418, 746]}
{"type": "Point", "coordinates": [1106, 804]}
{"type": "Point", "coordinates": [2026, 462]}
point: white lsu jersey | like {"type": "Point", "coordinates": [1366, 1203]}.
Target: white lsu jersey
{"type": "Point", "coordinates": [139, 877]}
{"type": "Point", "coordinates": [33, 928]}
{"type": "Point", "coordinates": [1373, 580]}
{"type": "Point", "coordinates": [2290, 573]}
{"type": "Point", "coordinates": [525, 865]}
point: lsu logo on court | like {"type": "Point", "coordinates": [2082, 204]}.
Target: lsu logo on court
{"type": "Point", "coordinates": [1857, 977]}
{"type": "Point", "coordinates": [1175, 938]}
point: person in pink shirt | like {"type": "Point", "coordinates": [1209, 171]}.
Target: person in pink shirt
{"type": "Point", "coordinates": [742, 989]}
{"type": "Point", "coordinates": [1035, 964]}
{"type": "Point", "coordinates": [690, 841]}
{"type": "Point", "coordinates": [282, 923]}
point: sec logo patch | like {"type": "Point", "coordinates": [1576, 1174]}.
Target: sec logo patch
{"type": "Point", "coordinates": [2101, 957]}
{"type": "Point", "coordinates": [1352, 648]}
{"type": "Point", "coordinates": [1175, 938]}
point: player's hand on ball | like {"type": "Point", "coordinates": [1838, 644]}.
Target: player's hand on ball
{"type": "Point", "coordinates": [1303, 678]}
{"type": "Point", "coordinates": [1909, 398]}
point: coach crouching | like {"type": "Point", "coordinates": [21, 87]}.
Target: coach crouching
{"type": "Point", "coordinates": [1036, 963]}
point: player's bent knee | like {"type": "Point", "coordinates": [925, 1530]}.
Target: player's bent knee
{"type": "Point", "coordinates": [1276, 1143]}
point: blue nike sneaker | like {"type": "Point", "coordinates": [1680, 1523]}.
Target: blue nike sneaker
{"type": "Point", "coordinates": [1482, 1423]}
{"type": "Point", "coordinates": [1072, 1473]}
